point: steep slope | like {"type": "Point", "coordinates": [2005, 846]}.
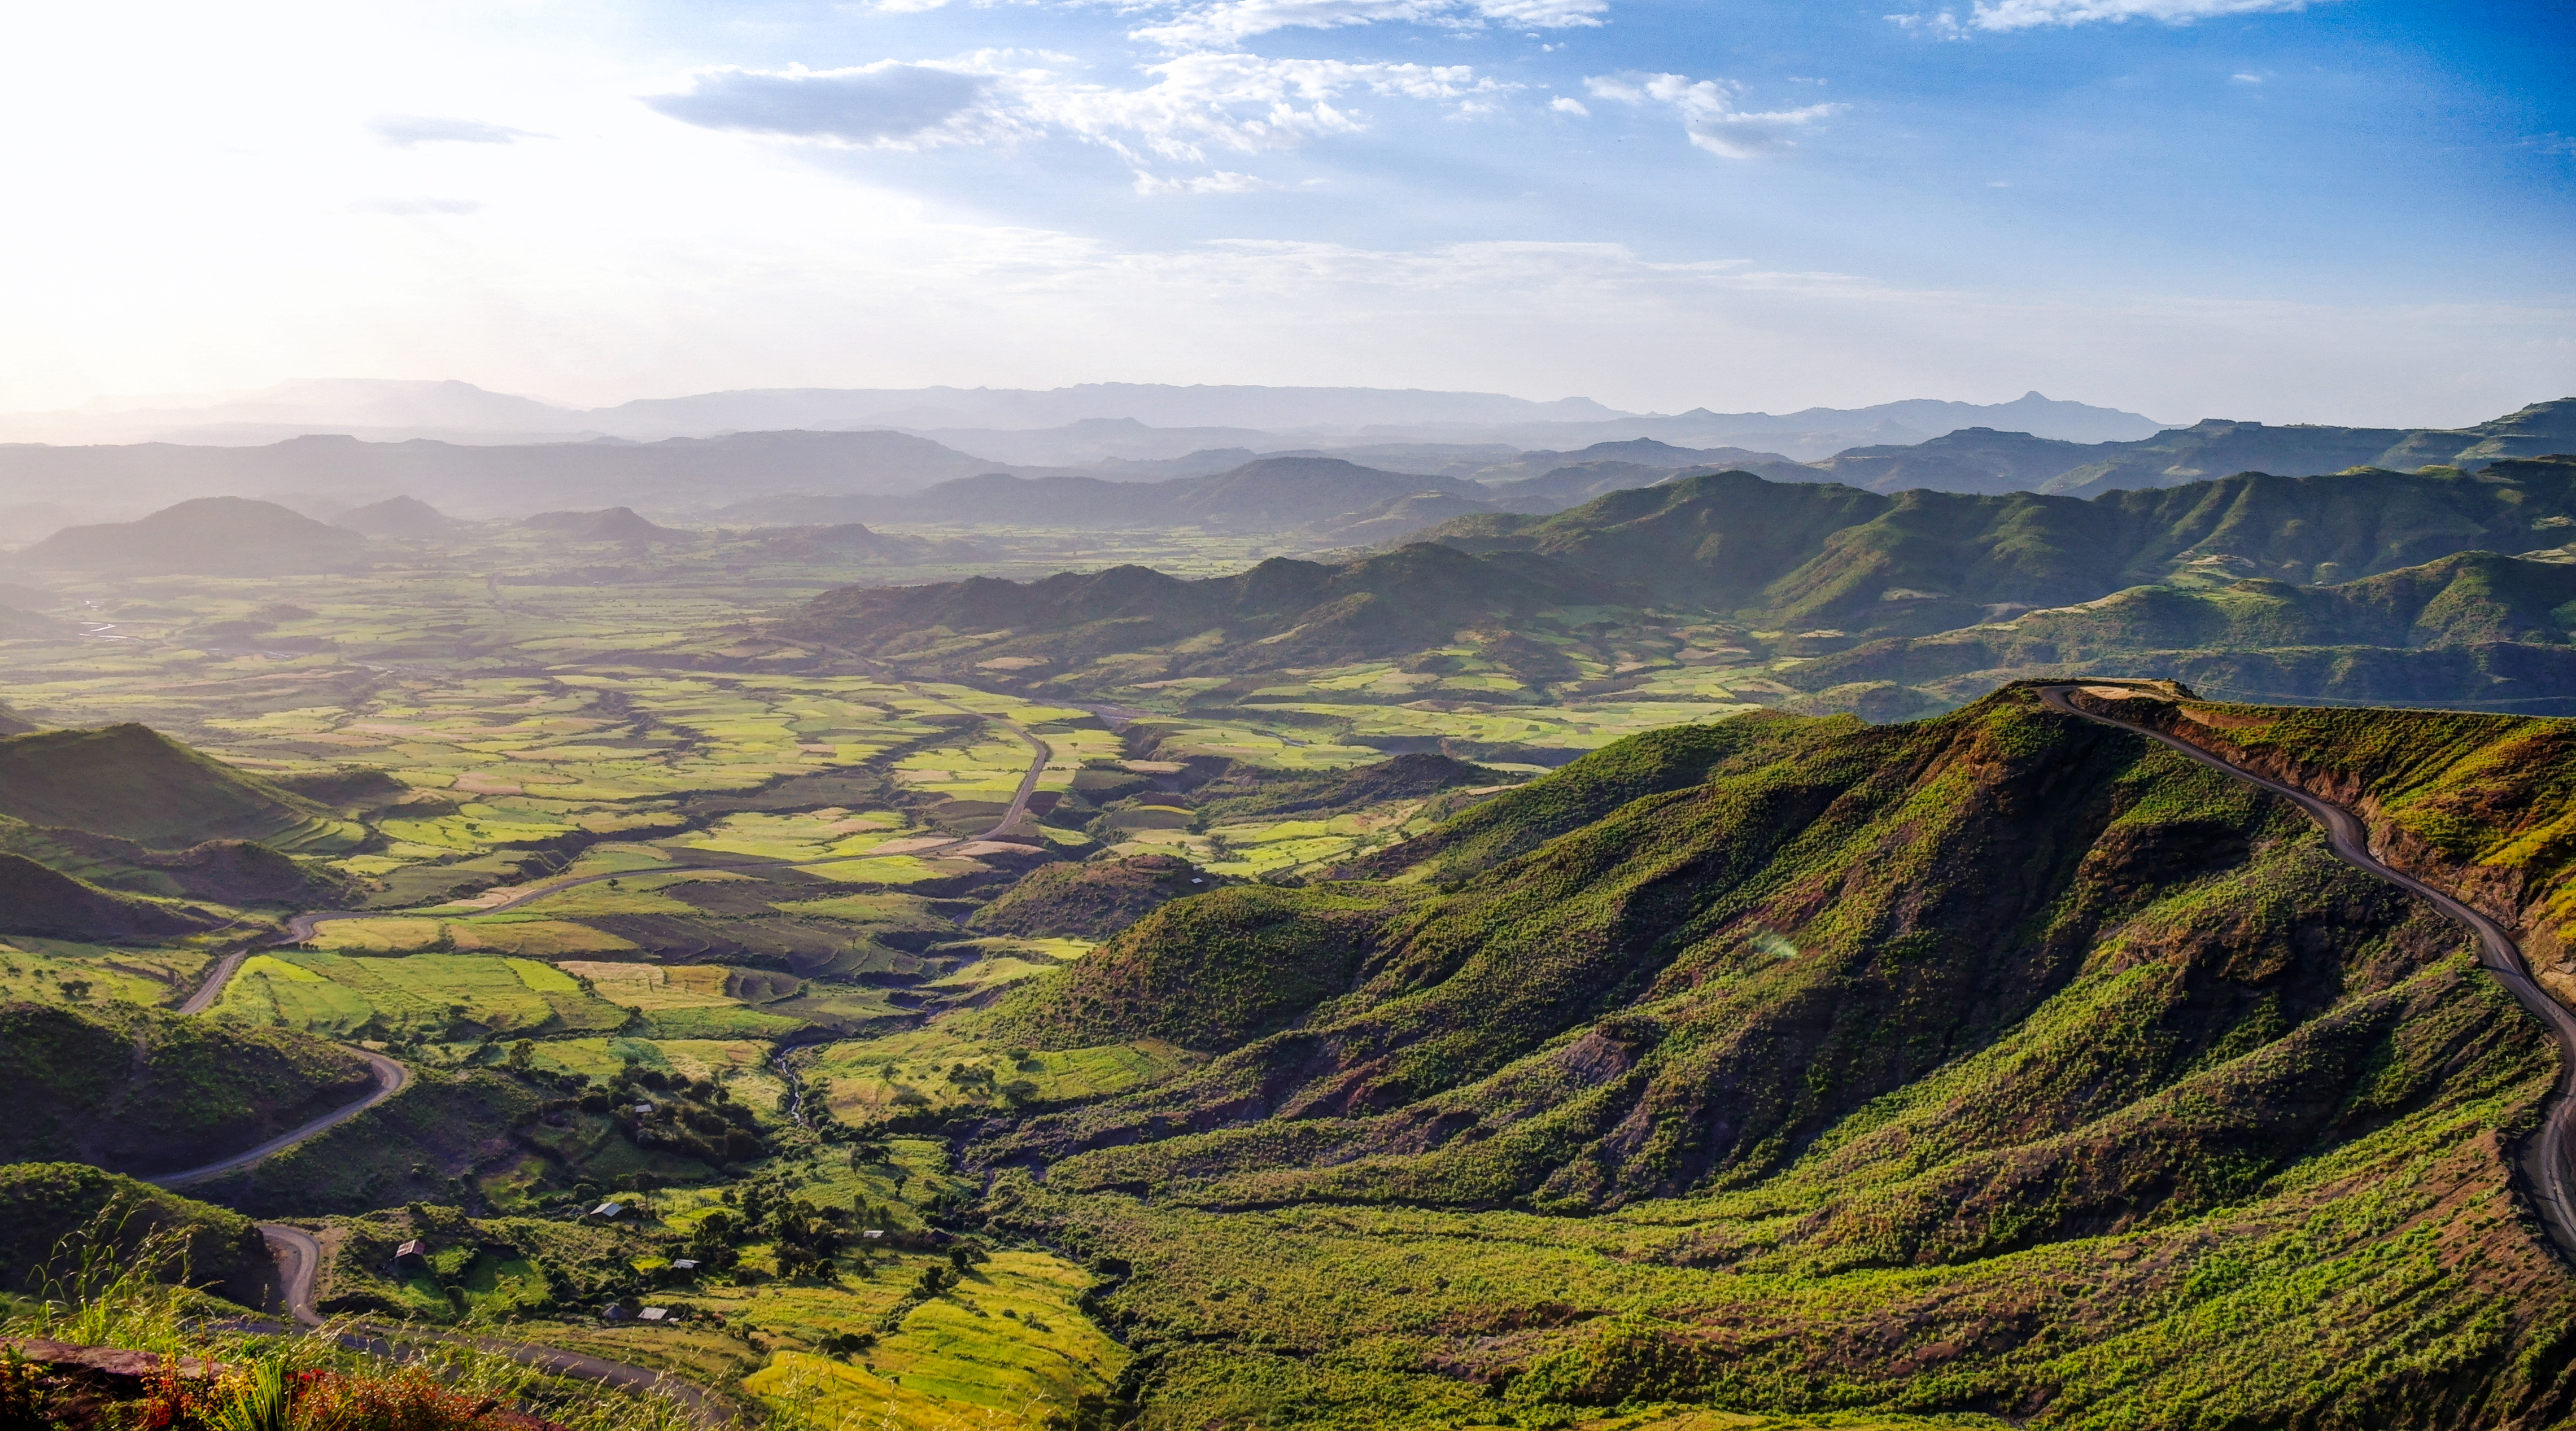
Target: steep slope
{"type": "Point", "coordinates": [43, 1204]}
{"type": "Point", "coordinates": [209, 536]}
{"type": "Point", "coordinates": [2478, 804]}
{"type": "Point", "coordinates": [235, 872]}
{"type": "Point", "coordinates": [135, 783]}
{"type": "Point", "coordinates": [141, 1091]}
{"type": "Point", "coordinates": [35, 899]}
{"type": "Point", "coordinates": [2000, 1062]}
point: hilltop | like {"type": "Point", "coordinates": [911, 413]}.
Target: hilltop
{"type": "Point", "coordinates": [1986, 1063]}
{"type": "Point", "coordinates": [396, 517]}
{"type": "Point", "coordinates": [207, 536]}
{"type": "Point", "coordinates": [133, 782]}
{"type": "Point", "coordinates": [610, 524]}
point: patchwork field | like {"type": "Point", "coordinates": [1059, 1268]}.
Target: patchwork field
{"type": "Point", "coordinates": [414, 994]}
{"type": "Point", "coordinates": [50, 971]}
{"type": "Point", "coordinates": [942, 1068]}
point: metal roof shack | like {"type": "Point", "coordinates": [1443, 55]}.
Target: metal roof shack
{"type": "Point", "coordinates": [684, 1264]}
{"type": "Point", "coordinates": [416, 1250]}
{"type": "Point", "coordinates": [657, 1314]}
{"type": "Point", "coordinates": [609, 1209]}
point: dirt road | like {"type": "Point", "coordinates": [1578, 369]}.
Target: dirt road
{"type": "Point", "coordinates": [299, 1260]}
{"type": "Point", "coordinates": [391, 1077]}
{"type": "Point", "coordinates": [2544, 1156]}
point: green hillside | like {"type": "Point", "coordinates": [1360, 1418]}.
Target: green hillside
{"type": "Point", "coordinates": [44, 1203]}
{"type": "Point", "coordinates": [1999, 1062]}
{"type": "Point", "coordinates": [2470, 629]}
{"type": "Point", "coordinates": [48, 904]}
{"type": "Point", "coordinates": [1737, 572]}
{"type": "Point", "coordinates": [1280, 613]}
{"type": "Point", "coordinates": [1090, 900]}
{"type": "Point", "coordinates": [206, 536]}
{"type": "Point", "coordinates": [144, 1092]}
{"type": "Point", "coordinates": [137, 784]}
{"type": "Point", "coordinates": [234, 872]}
{"type": "Point", "coordinates": [1922, 561]}
{"type": "Point", "coordinates": [1978, 459]}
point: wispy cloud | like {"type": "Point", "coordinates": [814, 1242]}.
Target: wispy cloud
{"type": "Point", "coordinates": [1230, 22]}
{"type": "Point", "coordinates": [1709, 115]}
{"type": "Point", "coordinates": [884, 105]}
{"type": "Point", "coordinates": [1195, 104]}
{"type": "Point", "coordinates": [1223, 181]}
{"type": "Point", "coordinates": [2004, 15]}
{"type": "Point", "coordinates": [406, 130]}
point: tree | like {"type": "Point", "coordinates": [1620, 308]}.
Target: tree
{"type": "Point", "coordinates": [520, 1052]}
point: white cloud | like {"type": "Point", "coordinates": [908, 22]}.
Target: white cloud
{"type": "Point", "coordinates": [2004, 15]}
{"type": "Point", "coordinates": [1567, 104]}
{"type": "Point", "coordinates": [1223, 181]}
{"type": "Point", "coordinates": [2241, 78]}
{"type": "Point", "coordinates": [883, 105]}
{"type": "Point", "coordinates": [1709, 115]}
{"type": "Point", "coordinates": [1229, 22]}
{"type": "Point", "coordinates": [406, 130]}
{"type": "Point", "coordinates": [1195, 103]}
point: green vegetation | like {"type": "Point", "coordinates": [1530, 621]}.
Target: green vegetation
{"type": "Point", "coordinates": [141, 1091]}
{"type": "Point", "coordinates": [136, 783]}
{"type": "Point", "coordinates": [454, 995]}
{"type": "Point", "coordinates": [45, 1207]}
{"type": "Point", "coordinates": [1431, 995]}
{"type": "Point", "coordinates": [124, 1281]}
{"type": "Point", "coordinates": [1800, 1059]}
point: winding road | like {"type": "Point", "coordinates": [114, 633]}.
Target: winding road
{"type": "Point", "coordinates": [2544, 1157]}
{"type": "Point", "coordinates": [299, 1259]}
{"type": "Point", "coordinates": [391, 1078]}
{"type": "Point", "coordinates": [299, 1255]}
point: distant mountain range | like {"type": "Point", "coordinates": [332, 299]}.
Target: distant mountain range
{"type": "Point", "coordinates": [778, 477]}
{"type": "Point", "coordinates": [1981, 459]}
{"type": "Point", "coordinates": [2440, 587]}
{"type": "Point", "coordinates": [1055, 427]}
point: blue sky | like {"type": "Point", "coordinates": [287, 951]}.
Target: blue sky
{"type": "Point", "coordinates": [2348, 210]}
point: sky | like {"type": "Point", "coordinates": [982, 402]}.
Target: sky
{"type": "Point", "coordinates": [2338, 211]}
